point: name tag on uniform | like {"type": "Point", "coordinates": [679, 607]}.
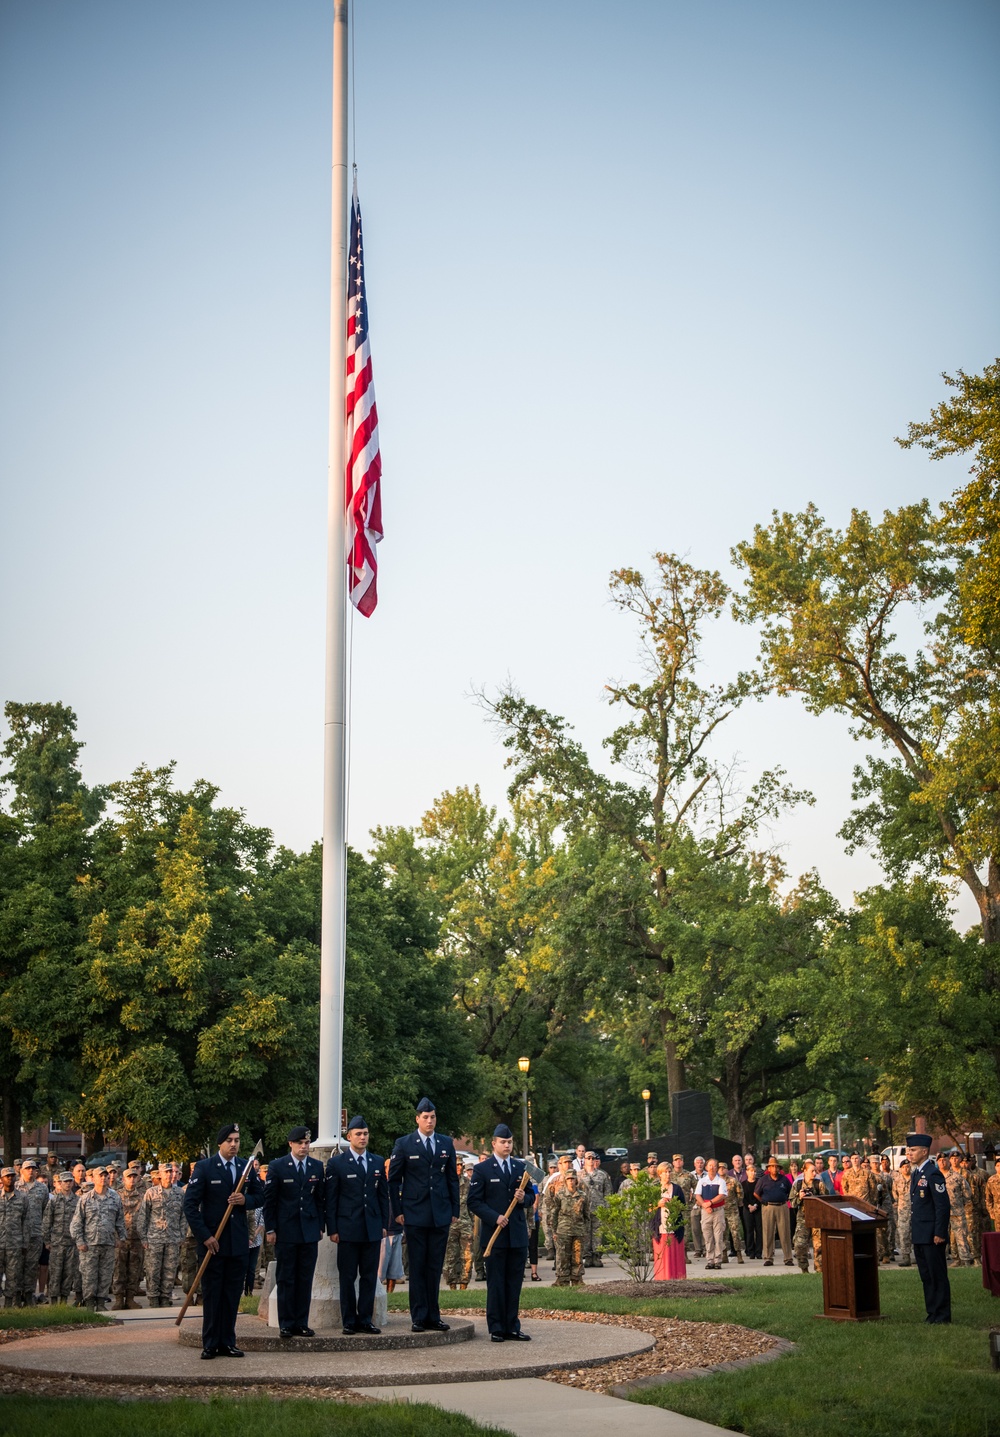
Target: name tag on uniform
{"type": "Point", "coordinates": [352, 1177]}
{"type": "Point", "coordinates": [215, 1181]}
{"type": "Point", "coordinates": [287, 1180]}
{"type": "Point", "coordinates": [414, 1157]}
{"type": "Point", "coordinates": [494, 1180]}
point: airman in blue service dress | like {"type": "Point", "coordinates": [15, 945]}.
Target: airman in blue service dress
{"type": "Point", "coordinates": [211, 1185]}
{"type": "Point", "coordinates": [424, 1200]}
{"type": "Point", "coordinates": [930, 1211]}
{"type": "Point", "coordinates": [494, 1186]}
{"type": "Point", "coordinates": [294, 1220]}
{"type": "Point", "coordinates": [357, 1219]}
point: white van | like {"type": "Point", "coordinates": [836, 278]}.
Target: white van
{"type": "Point", "coordinates": [895, 1155]}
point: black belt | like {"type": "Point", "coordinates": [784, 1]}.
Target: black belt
{"type": "Point", "coordinates": [775, 1204]}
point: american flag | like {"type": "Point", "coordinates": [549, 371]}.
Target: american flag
{"type": "Point", "coordinates": [364, 463]}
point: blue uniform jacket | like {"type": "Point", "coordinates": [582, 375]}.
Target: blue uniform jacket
{"type": "Point", "coordinates": [423, 1190]}
{"type": "Point", "coordinates": [294, 1205]}
{"type": "Point", "coordinates": [206, 1199]}
{"type": "Point", "coordinates": [357, 1204]}
{"type": "Point", "coordinates": [929, 1205]}
{"type": "Point", "coordinates": [490, 1195]}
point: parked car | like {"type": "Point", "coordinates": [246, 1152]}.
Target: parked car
{"type": "Point", "coordinates": [618, 1153]}
{"type": "Point", "coordinates": [105, 1156]}
{"type": "Point", "coordinates": [895, 1154]}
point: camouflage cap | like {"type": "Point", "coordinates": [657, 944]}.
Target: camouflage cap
{"type": "Point", "coordinates": [8, 1172]}
{"type": "Point", "coordinates": [61, 1177]}
{"type": "Point", "coordinates": [29, 1163]}
{"type": "Point", "coordinates": [99, 1170]}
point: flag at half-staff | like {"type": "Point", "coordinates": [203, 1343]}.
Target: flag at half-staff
{"type": "Point", "coordinates": [364, 464]}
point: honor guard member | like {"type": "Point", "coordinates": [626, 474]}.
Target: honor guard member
{"type": "Point", "coordinates": [494, 1186]}
{"type": "Point", "coordinates": [294, 1220]}
{"type": "Point", "coordinates": [357, 1219]}
{"type": "Point", "coordinates": [929, 1214]}
{"type": "Point", "coordinates": [210, 1191]}
{"type": "Point", "coordinates": [424, 1200]}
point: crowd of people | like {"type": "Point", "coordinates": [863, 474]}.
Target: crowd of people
{"type": "Point", "coordinates": [103, 1236]}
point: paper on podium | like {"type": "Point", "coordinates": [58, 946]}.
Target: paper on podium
{"type": "Point", "coordinates": [856, 1212]}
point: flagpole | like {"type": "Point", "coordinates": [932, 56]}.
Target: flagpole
{"type": "Point", "coordinates": [333, 939]}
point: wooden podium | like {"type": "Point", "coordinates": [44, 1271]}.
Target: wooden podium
{"type": "Point", "coordinates": [850, 1256]}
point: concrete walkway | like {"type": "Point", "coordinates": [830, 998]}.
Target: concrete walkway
{"type": "Point", "coordinates": [531, 1407]}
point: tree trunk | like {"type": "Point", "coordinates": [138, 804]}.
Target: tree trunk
{"type": "Point", "coordinates": [11, 1127]}
{"type": "Point", "coordinates": [93, 1142]}
{"type": "Point", "coordinates": [676, 1076]}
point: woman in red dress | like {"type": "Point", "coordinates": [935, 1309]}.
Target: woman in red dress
{"type": "Point", "coordinates": [668, 1243]}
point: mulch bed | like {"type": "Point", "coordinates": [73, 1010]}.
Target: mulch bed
{"type": "Point", "coordinates": [32, 1384]}
{"type": "Point", "coordinates": [680, 1346]}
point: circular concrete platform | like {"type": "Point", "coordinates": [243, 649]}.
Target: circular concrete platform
{"type": "Point", "coordinates": [151, 1353]}
{"type": "Point", "coordinates": [252, 1335]}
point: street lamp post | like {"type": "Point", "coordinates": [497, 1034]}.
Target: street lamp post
{"type": "Point", "coordinates": [889, 1108]}
{"type": "Point", "coordinates": [646, 1095]}
{"type": "Point", "coordinates": [524, 1064]}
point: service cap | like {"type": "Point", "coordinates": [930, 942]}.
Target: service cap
{"type": "Point", "coordinates": [502, 1131]}
{"type": "Point", "coordinates": [426, 1106]}
{"type": "Point", "coordinates": [299, 1135]}
{"type": "Point", "coordinates": [918, 1140]}
{"type": "Point", "coordinates": [356, 1122]}
{"type": "Point", "coordinates": [227, 1131]}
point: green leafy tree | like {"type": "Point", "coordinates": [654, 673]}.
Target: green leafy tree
{"type": "Point", "coordinates": [635, 841]}
{"type": "Point", "coordinates": [46, 825]}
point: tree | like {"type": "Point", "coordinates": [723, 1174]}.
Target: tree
{"type": "Point", "coordinates": [45, 845]}
{"type": "Point", "coordinates": [636, 840]}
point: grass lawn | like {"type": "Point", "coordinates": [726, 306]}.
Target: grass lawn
{"type": "Point", "coordinates": [228, 1417]}
{"type": "Point", "coordinates": [896, 1378]}
{"type": "Point", "coordinates": [58, 1316]}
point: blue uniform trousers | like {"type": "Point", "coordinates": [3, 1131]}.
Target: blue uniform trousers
{"type": "Point", "coordinates": [504, 1276]}
{"type": "Point", "coordinates": [357, 1260]}
{"type": "Point", "coordinates": [294, 1265]}
{"type": "Point", "coordinates": [932, 1264]}
{"type": "Point", "coordinates": [221, 1290]}
{"type": "Point", "coordinates": [426, 1247]}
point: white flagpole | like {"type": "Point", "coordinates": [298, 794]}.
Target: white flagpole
{"type": "Point", "coordinates": [333, 942]}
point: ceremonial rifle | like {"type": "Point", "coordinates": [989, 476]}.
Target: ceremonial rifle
{"type": "Point", "coordinates": [525, 1176]}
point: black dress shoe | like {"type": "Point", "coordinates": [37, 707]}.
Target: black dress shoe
{"type": "Point", "coordinates": [517, 1336]}
{"type": "Point", "coordinates": [207, 1353]}
{"type": "Point", "coordinates": [497, 1337]}
{"type": "Point", "coordinates": [287, 1331]}
{"type": "Point", "coordinates": [304, 1332]}
{"type": "Point", "coordinates": [418, 1327]}
{"type": "Point", "coordinates": [370, 1327]}
{"type": "Point", "coordinates": [349, 1331]}
{"type": "Point", "coordinates": [438, 1326]}
{"type": "Point", "coordinates": [229, 1351]}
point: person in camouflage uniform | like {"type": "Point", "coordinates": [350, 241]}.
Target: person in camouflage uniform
{"type": "Point", "coordinates": [598, 1186]}
{"type": "Point", "coordinates": [975, 1208]}
{"type": "Point", "coordinates": [97, 1228]}
{"type": "Point", "coordinates": [685, 1181]}
{"type": "Point", "coordinates": [901, 1202]}
{"type": "Point", "coordinates": [810, 1186]}
{"type": "Point", "coordinates": [552, 1189]}
{"type": "Point", "coordinates": [161, 1228]}
{"type": "Point", "coordinates": [57, 1219]}
{"type": "Point", "coordinates": [458, 1253]}
{"type": "Point", "coordinates": [858, 1182]}
{"type": "Point", "coordinates": [882, 1201]}
{"type": "Point", "coordinates": [732, 1210]}
{"type": "Point", "coordinates": [129, 1257]}
{"type": "Point", "coordinates": [570, 1215]}
{"type": "Point", "coordinates": [959, 1195]}
{"type": "Point", "coordinates": [991, 1197]}
{"type": "Point", "coordinates": [889, 1208]}
{"type": "Point", "coordinates": [15, 1235]}
{"type": "Point", "coordinates": [549, 1250]}
{"type": "Point", "coordinates": [37, 1195]}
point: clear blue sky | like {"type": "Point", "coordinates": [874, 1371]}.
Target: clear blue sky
{"type": "Point", "coordinates": [638, 273]}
